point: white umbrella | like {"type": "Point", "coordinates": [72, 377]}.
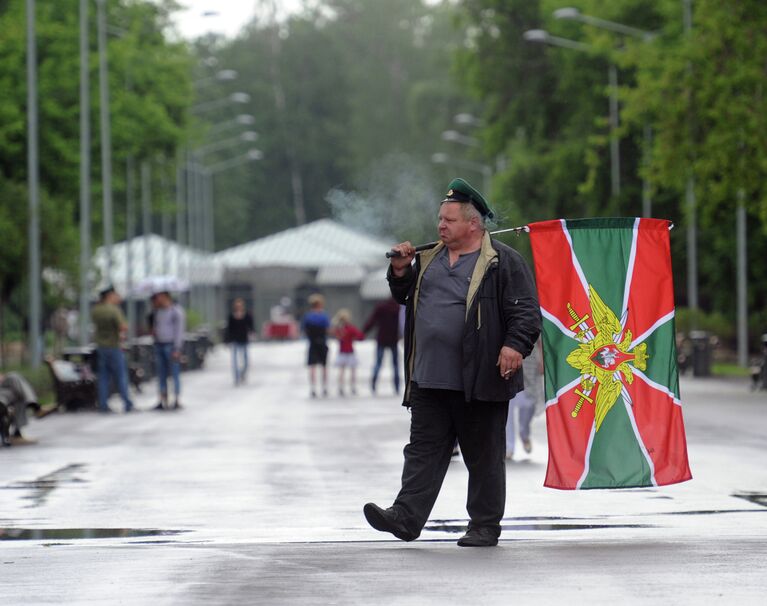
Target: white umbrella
{"type": "Point", "coordinates": [154, 284]}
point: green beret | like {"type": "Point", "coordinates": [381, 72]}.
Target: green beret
{"type": "Point", "coordinates": [460, 190]}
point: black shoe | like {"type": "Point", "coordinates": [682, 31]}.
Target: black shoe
{"type": "Point", "coordinates": [159, 406]}
{"type": "Point", "coordinates": [387, 520]}
{"type": "Point", "coordinates": [479, 536]}
{"type": "Point", "coordinates": [177, 405]}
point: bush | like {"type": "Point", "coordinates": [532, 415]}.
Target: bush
{"type": "Point", "coordinates": [714, 323]}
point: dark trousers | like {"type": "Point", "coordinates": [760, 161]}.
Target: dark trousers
{"type": "Point", "coordinates": [439, 417]}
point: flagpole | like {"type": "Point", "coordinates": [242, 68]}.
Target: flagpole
{"type": "Point", "coordinates": [430, 245]}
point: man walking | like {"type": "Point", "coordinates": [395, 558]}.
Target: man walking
{"type": "Point", "coordinates": [386, 317]}
{"type": "Point", "coordinates": [110, 326]}
{"type": "Point", "coordinates": [168, 328]}
{"type": "Point", "coordinates": [472, 316]}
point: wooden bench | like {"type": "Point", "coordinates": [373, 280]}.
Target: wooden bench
{"type": "Point", "coordinates": [75, 386]}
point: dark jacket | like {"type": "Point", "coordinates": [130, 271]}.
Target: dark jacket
{"type": "Point", "coordinates": [386, 317]}
{"type": "Point", "coordinates": [238, 330]}
{"type": "Point", "coordinates": [501, 309]}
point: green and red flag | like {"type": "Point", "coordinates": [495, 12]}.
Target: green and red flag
{"type": "Point", "coordinates": [613, 412]}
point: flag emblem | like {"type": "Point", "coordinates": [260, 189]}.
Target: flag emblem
{"type": "Point", "coordinates": [603, 358]}
{"type": "Point", "coordinates": [613, 408]}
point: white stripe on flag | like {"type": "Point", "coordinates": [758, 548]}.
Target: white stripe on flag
{"type": "Point", "coordinates": [556, 322]}
{"type": "Point", "coordinates": [576, 263]}
{"type": "Point", "coordinates": [659, 322]}
{"type": "Point", "coordinates": [661, 388]}
{"type": "Point", "coordinates": [642, 447]}
{"type": "Point", "coordinates": [630, 269]}
{"type": "Point", "coordinates": [564, 389]}
{"type": "Point", "coordinates": [587, 457]}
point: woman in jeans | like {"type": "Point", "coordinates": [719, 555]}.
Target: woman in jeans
{"type": "Point", "coordinates": [239, 327]}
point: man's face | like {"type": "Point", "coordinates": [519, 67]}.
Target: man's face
{"type": "Point", "coordinates": [453, 228]}
{"type": "Point", "coordinates": [114, 298]}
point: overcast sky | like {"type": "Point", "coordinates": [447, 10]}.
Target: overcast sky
{"type": "Point", "coordinates": [226, 17]}
{"type": "Point", "coordinates": [223, 16]}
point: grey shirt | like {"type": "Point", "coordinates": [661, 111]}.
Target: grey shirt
{"type": "Point", "coordinates": [439, 322]}
{"type": "Point", "coordinates": [170, 325]}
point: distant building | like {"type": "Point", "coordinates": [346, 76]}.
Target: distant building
{"type": "Point", "coordinates": [323, 256]}
{"type": "Point", "coordinates": [346, 266]}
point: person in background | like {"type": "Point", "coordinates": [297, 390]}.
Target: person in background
{"type": "Point", "coordinates": [16, 392]}
{"type": "Point", "coordinates": [526, 402]}
{"type": "Point", "coordinates": [385, 316]}
{"type": "Point", "coordinates": [168, 328]}
{"type": "Point", "coordinates": [346, 333]}
{"type": "Point", "coordinates": [110, 327]}
{"type": "Point", "coordinates": [315, 326]}
{"type": "Point", "coordinates": [239, 328]}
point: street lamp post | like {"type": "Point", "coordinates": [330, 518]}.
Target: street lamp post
{"type": "Point", "coordinates": [483, 169]}
{"type": "Point", "coordinates": [146, 213]}
{"type": "Point", "coordinates": [130, 233]}
{"type": "Point", "coordinates": [33, 179]}
{"type": "Point", "coordinates": [85, 170]}
{"type": "Point", "coordinates": [224, 75]}
{"type": "Point", "coordinates": [106, 137]}
{"type": "Point", "coordinates": [240, 120]}
{"type": "Point", "coordinates": [453, 136]}
{"type": "Point", "coordinates": [238, 97]}
{"type": "Point", "coordinates": [542, 36]}
{"type": "Point", "coordinates": [208, 173]}
{"type": "Point", "coordinates": [576, 15]}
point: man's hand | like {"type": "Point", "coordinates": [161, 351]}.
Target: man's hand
{"type": "Point", "coordinates": [406, 255]}
{"type": "Point", "coordinates": [509, 362]}
{"type": "Point", "coordinates": [176, 355]}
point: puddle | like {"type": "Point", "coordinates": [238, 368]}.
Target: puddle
{"type": "Point", "coordinates": [63, 534]}
{"type": "Point", "coordinates": [757, 498]}
{"type": "Point", "coordinates": [41, 488]}
{"type": "Point", "coordinates": [508, 527]}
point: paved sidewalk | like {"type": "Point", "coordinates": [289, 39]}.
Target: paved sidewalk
{"type": "Point", "coordinates": [254, 494]}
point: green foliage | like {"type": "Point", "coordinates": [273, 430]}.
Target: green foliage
{"type": "Point", "coordinates": [702, 94]}
{"type": "Point", "coordinates": [340, 93]}
{"type": "Point", "coordinates": [150, 95]}
{"type": "Point", "coordinates": [714, 323]}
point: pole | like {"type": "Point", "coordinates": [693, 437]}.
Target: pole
{"type": "Point", "coordinates": [692, 221]}
{"type": "Point", "coordinates": [615, 153]}
{"type": "Point", "coordinates": [646, 194]}
{"type": "Point", "coordinates": [146, 213]}
{"type": "Point", "coordinates": [191, 197]}
{"type": "Point", "coordinates": [692, 247]}
{"type": "Point", "coordinates": [210, 242]}
{"type": "Point", "coordinates": [742, 281]}
{"type": "Point", "coordinates": [85, 170]}
{"type": "Point", "coordinates": [165, 219]}
{"type": "Point", "coordinates": [106, 137]}
{"type": "Point", "coordinates": [179, 209]}
{"type": "Point", "coordinates": [33, 179]}
{"type": "Point", "coordinates": [130, 229]}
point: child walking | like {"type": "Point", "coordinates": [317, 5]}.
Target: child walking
{"type": "Point", "coordinates": [315, 326]}
{"type": "Point", "coordinates": [346, 333]}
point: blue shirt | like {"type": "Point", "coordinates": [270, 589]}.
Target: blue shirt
{"type": "Point", "coordinates": [315, 324]}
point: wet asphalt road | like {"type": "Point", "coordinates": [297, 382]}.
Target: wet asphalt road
{"type": "Point", "coordinates": [253, 495]}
